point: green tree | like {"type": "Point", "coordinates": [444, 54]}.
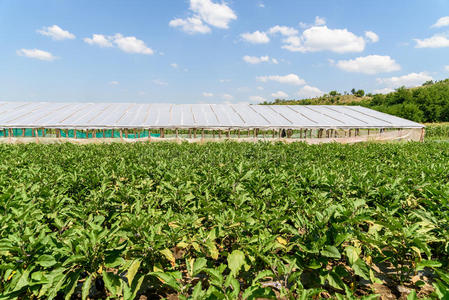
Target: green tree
{"type": "Point", "coordinates": [360, 93]}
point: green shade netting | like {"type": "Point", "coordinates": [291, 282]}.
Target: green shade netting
{"type": "Point", "coordinates": [28, 132]}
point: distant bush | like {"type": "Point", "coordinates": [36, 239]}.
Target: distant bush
{"type": "Point", "coordinates": [437, 130]}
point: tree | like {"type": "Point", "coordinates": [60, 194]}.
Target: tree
{"type": "Point", "coordinates": [427, 103]}
{"type": "Point", "coordinates": [360, 93]}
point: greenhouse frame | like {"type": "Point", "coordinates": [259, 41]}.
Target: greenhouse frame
{"type": "Point", "coordinates": [126, 122]}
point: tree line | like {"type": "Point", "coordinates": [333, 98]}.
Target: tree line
{"type": "Point", "coordinates": [427, 103]}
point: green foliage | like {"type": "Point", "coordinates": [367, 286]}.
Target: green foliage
{"type": "Point", "coordinates": [437, 131]}
{"type": "Point", "coordinates": [428, 103]}
{"type": "Point", "coordinates": [220, 220]}
{"type": "Point", "coordinates": [360, 93]}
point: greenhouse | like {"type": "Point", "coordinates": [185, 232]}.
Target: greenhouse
{"type": "Point", "coordinates": [94, 122]}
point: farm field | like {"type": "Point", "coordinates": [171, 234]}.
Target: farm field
{"type": "Point", "coordinates": [224, 221]}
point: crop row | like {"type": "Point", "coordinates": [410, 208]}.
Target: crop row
{"type": "Point", "coordinates": [224, 220]}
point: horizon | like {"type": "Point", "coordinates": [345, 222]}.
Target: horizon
{"type": "Point", "coordinates": [210, 51]}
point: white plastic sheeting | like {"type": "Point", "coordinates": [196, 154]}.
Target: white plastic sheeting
{"type": "Point", "coordinates": [159, 115]}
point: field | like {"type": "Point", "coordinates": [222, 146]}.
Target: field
{"type": "Point", "coordinates": [224, 221]}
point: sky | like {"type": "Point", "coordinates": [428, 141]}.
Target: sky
{"type": "Point", "coordinates": [214, 51]}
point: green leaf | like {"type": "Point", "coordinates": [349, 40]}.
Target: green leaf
{"type": "Point", "coordinates": [330, 251]}
{"type": "Point", "coordinates": [361, 268]}
{"type": "Point", "coordinates": [213, 251]}
{"type": "Point", "coordinates": [216, 278]}
{"type": "Point", "coordinates": [73, 258]}
{"type": "Point", "coordinates": [130, 292]}
{"type": "Point", "coordinates": [167, 279]}
{"type": "Point", "coordinates": [113, 259]}
{"type": "Point", "coordinates": [133, 270]}
{"type": "Point", "coordinates": [314, 264]}
{"type": "Point", "coordinates": [23, 280]}
{"type": "Point", "coordinates": [235, 288]}
{"type": "Point", "coordinates": [56, 285]}
{"type": "Point", "coordinates": [71, 285]}
{"type": "Point", "coordinates": [38, 276]}
{"type": "Point", "coordinates": [46, 260]}
{"type": "Point", "coordinates": [235, 261]}
{"type": "Point", "coordinates": [256, 292]}
{"type": "Point", "coordinates": [262, 275]}
{"type": "Point", "coordinates": [443, 276]}
{"type": "Point", "coordinates": [441, 290]}
{"type": "Point", "coordinates": [86, 287]}
{"type": "Point", "coordinates": [412, 295]}
{"type": "Point", "coordinates": [199, 265]}
{"type": "Point", "coordinates": [335, 281]}
{"type": "Point", "coordinates": [427, 264]}
{"type": "Point", "coordinates": [111, 282]}
{"type": "Point", "coordinates": [352, 254]}
{"type": "Point", "coordinates": [168, 255]}
{"type": "Point", "coordinates": [197, 293]}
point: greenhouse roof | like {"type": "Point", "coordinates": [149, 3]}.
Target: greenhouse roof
{"type": "Point", "coordinates": [158, 115]}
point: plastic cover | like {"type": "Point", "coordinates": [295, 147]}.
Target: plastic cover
{"type": "Point", "coordinates": [161, 115]}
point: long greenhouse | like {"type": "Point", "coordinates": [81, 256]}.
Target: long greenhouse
{"type": "Point", "coordinates": [95, 122]}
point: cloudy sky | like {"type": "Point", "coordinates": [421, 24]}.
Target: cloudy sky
{"type": "Point", "coordinates": [193, 51]}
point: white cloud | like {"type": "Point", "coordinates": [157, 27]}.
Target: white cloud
{"type": "Point", "coordinates": [409, 80]}
{"type": "Point", "coordinates": [303, 25]}
{"type": "Point", "coordinates": [190, 25]}
{"type": "Point", "coordinates": [114, 82]}
{"type": "Point", "coordinates": [444, 21]}
{"type": "Point", "coordinates": [284, 30]}
{"type": "Point", "coordinates": [383, 91]}
{"type": "Point", "coordinates": [174, 65]}
{"type": "Point", "coordinates": [280, 95]}
{"type": "Point", "coordinates": [257, 60]}
{"type": "Point", "coordinates": [257, 37]}
{"type": "Point", "coordinates": [56, 33]}
{"type": "Point", "coordinates": [308, 91]}
{"type": "Point", "coordinates": [372, 36]}
{"type": "Point", "coordinates": [99, 40]}
{"type": "Point", "coordinates": [446, 68]}
{"type": "Point", "coordinates": [261, 5]}
{"type": "Point", "coordinates": [321, 38]}
{"type": "Point", "coordinates": [225, 80]}
{"type": "Point", "coordinates": [320, 21]}
{"type": "Point", "coordinates": [227, 97]}
{"type": "Point", "coordinates": [206, 94]}
{"type": "Point", "coordinates": [260, 88]}
{"type": "Point", "coordinates": [371, 64]}
{"type": "Point", "coordinates": [128, 44]}
{"type": "Point", "coordinates": [131, 44]}
{"type": "Point", "coordinates": [257, 99]}
{"type": "Point", "coordinates": [436, 41]}
{"type": "Point", "coordinates": [159, 82]}
{"type": "Point", "coordinates": [215, 14]}
{"type": "Point", "coordinates": [36, 53]}
{"type": "Point", "coordinates": [289, 79]}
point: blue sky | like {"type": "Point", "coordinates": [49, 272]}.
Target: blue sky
{"type": "Point", "coordinates": [193, 51]}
